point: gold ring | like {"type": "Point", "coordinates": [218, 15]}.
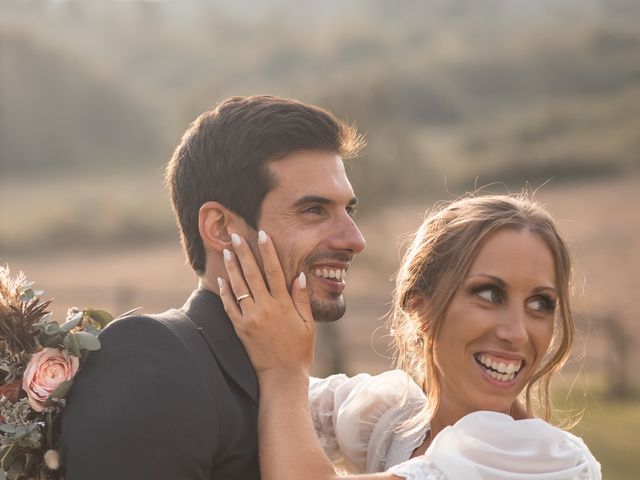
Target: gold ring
{"type": "Point", "coordinates": [242, 297]}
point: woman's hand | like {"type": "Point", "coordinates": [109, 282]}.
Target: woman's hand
{"type": "Point", "coordinates": [275, 326]}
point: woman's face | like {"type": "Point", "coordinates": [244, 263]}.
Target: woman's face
{"type": "Point", "coordinates": [499, 324]}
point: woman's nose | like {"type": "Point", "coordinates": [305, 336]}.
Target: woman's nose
{"type": "Point", "coordinates": [512, 329]}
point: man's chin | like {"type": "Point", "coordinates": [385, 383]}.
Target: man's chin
{"type": "Point", "coordinates": [328, 311]}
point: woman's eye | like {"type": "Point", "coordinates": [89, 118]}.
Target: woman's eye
{"type": "Point", "coordinates": [542, 304]}
{"type": "Point", "coordinates": [489, 294]}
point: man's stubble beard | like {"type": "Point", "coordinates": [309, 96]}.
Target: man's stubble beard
{"type": "Point", "coordinates": [322, 311]}
{"type": "Point", "coordinates": [326, 312]}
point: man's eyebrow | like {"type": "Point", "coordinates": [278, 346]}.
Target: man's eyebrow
{"type": "Point", "coordinates": [320, 200]}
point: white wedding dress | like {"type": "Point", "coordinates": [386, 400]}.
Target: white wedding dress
{"type": "Point", "coordinates": [360, 422]}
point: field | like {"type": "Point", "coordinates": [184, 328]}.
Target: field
{"type": "Point", "coordinates": [598, 216]}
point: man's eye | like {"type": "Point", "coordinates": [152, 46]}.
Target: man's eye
{"type": "Point", "coordinates": [351, 211]}
{"type": "Point", "coordinates": [313, 210]}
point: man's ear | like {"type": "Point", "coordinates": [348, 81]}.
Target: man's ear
{"type": "Point", "coordinates": [213, 220]}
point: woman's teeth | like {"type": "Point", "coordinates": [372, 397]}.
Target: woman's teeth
{"type": "Point", "coordinates": [337, 274]}
{"type": "Point", "coordinates": [500, 369]}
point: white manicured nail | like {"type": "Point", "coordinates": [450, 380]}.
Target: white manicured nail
{"type": "Point", "coordinates": [235, 239]}
{"type": "Point", "coordinates": [227, 255]}
{"type": "Point", "coordinates": [302, 280]}
{"type": "Point", "coordinates": [220, 284]}
{"type": "Point", "coordinates": [262, 237]}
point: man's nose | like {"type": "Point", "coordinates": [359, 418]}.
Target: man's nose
{"type": "Point", "coordinates": [348, 236]}
{"type": "Point", "coordinates": [513, 327]}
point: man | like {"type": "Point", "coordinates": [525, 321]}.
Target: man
{"type": "Point", "coordinates": [174, 395]}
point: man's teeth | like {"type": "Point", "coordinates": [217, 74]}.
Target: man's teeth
{"type": "Point", "coordinates": [337, 273]}
{"type": "Point", "coordinates": [502, 370]}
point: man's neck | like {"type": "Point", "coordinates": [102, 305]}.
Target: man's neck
{"type": "Point", "coordinates": [206, 284]}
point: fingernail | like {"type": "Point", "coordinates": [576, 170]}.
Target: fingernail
{"type": "Point", "coordinates": [262, 237]}
{"type": "Point", "coordinates": [235, 239]}
{"type": "Point", "coordinates": [220, 284]}
{"type": "Point", "coordinates": [227, 255]}
{"type": "Point", "coordinates": [302, 280]}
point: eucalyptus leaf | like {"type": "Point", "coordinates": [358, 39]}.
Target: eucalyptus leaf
{"type": "Point", "coordinates": [86, 341]}
{"type": "Point", "coordinates": [52, 328]}
{"type": "Point", "coordinates": [52, 341]}
{"type": "Point", "coordinates": [72, 323]}
{"type": "Point", "coordinates": [59, 393]}
{"type": "Point", "coordinates": [72, 344]}
{"type": "Point", "coordinates": [7, 428]}
{"type": "Point", "coordinates": [27, 295]}
{"type": "Point", "coordinates": [91, 329]}
{"type": "Point", "coordinates": [101, 317]}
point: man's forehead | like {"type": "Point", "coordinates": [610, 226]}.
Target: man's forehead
{"type": "Point", "coordinates": [307, 174]}
{"type": "Point", "coordinates": [306, 161]}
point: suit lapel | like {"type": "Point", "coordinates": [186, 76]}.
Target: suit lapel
{"type": "Point", "coordinates": [205, 309]}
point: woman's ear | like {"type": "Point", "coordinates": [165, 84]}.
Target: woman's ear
{"type": "Point", "coordinates": [213, 220]}
{"type": "Point", "coordinates": [417, 303]}
{"type": "Point", "coordinates": [418, 306]}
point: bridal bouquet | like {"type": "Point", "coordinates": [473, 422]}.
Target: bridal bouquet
{"type": "Point", "coordinates": [39, 359]}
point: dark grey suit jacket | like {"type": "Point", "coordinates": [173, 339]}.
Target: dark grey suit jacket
{"type": "Point", "coordinates": [169, 396]}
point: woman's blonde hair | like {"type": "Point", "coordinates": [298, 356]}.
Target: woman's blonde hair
{"type": "Point", "coordinates": [434, 268]}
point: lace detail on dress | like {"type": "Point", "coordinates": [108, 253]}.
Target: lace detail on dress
{"type": "Point", "coordinates": [418, 468]}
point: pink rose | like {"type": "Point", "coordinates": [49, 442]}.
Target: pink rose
{"type": "Point", "coordinates": [46, 370]}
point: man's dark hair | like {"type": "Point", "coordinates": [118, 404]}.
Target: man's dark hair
{"type": "Point", "coordinates": [223, 157]}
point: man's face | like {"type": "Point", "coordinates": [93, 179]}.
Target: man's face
{"type": "Point", "coordinates": [308, 215]}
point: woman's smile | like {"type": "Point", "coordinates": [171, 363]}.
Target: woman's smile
{"type": "Point", "coordinates": [504, 370]}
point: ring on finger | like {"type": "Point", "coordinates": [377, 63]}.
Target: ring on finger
{"type": "Point", "coordinates": [242, 297]}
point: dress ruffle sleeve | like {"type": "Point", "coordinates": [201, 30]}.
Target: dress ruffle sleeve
{"type": "Point", "coordinates": [358, 419]}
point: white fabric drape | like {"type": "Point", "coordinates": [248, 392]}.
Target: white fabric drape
{"type": "Point", "coordinates": [358, 421]}
{"type": "Point", "coordinates": [493, 446]}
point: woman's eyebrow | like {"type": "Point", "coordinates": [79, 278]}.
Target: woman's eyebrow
{"type": "Point", "coordinates": [497, 280]}
{"type": "Point", "coordinates": [503, 284]}
{"type": "Point", "coordinates": [545, 289]}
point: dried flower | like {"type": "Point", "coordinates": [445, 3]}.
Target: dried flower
{"type": "Point", "coordinates": [52, 459]}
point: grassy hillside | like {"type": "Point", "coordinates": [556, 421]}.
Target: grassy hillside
{"type": "Point", "coordinates": [505, 91]}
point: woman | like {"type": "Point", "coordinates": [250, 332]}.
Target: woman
{"type": "Point", "coordinates": [481, 316]}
